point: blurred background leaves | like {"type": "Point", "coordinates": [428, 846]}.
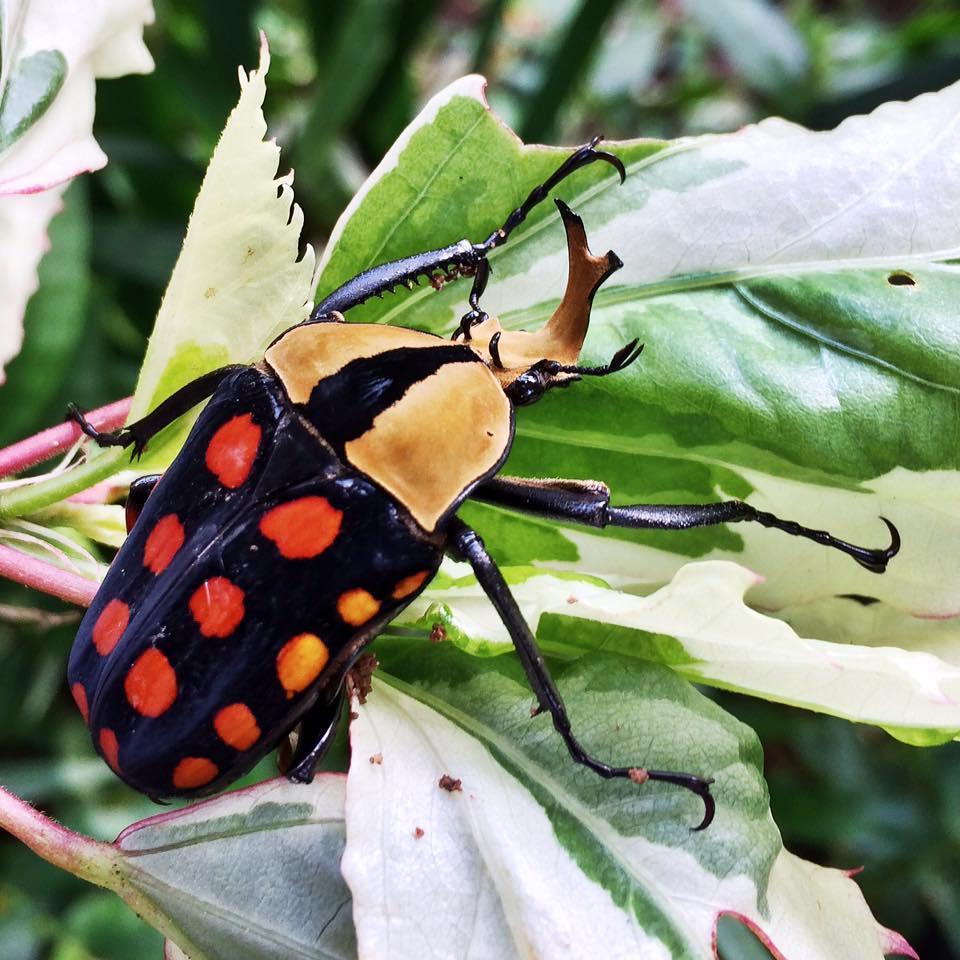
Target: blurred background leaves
{"type": "Point", "coordinates": [345, 80]}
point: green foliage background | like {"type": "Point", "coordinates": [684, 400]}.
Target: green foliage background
{"type": "Point", "coordinates": [345, 80]}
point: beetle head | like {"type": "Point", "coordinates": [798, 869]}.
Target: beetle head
{"type": "Point", "coordinates": [528, 363]}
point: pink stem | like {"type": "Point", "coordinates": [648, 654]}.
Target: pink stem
{"type": "Point", "coordinates": [98, 493]}
{"type": "Point", "coordinates": [48, 443]}
{"type": "Point", "coordinates": [31, 572]}
{"type": "Point", "coordinates": [80, 855]}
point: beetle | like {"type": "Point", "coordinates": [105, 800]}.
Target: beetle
{"type": "Point", "coordinates": [315, 497]}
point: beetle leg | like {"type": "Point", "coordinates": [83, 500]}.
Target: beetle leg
{"type": "Point", "coordinates": [585, 155]}
{"type": "Point", "coordinates": [139, 433]}
{"type": "Point", "coordinates": [140, 489]}
{"type": "Point", "coordinates": [588, 502]}
{"type": "Point", "coordinates": [318, 730]}
{"type": "Point", "coordinates": [470, 547]}
{"type": "Point", "coordinates": [463, 258]}
{"type": "Point", "coordinates": [476, 314]}
{"type": "Point", "coordinates": [330, 316]}
{"type": "Point", "coordinates": [386, 277]}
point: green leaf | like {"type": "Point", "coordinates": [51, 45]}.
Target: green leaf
{"type": "Point", "coordinates": [455, 172]}
{"type": "Point", "coordinates": [533, 855]}
{"type": "Point", "coordinates": [788, 360]}
{"type": "Point", "coordinates": [251, 875]}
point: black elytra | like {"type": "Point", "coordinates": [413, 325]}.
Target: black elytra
{"type": "Point", "coordinates": [332, 470]}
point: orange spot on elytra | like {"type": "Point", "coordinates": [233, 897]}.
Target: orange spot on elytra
{"type": "Point", "coordinates": [80, 699]}
{"type": "Point", "coordinates": [409, 585]}
{"type": "Point", "coordinates": [193, 772]}
{"type": "Point", "coordinates": [110, 625]}
{"type": "Point", "coordinates": [357, 606]}
{"type": "Point", "coordinates": [302, 528]}
{"type": "Point", "coordinates": [217, 606]}
{"type": "Point", "coordinates": [151, 684]}
{"type": "Point", "coordinates": [110, 748]}
{"type": "Point", "coordinates": [236, 726]}
{"type": "Point", "coordinates": [232, 450]}
{"type": "Point", "coordinates": [165, 539]}
{"type": "Point", "coordinates": [300, 661]}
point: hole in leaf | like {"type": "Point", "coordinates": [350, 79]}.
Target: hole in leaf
{"type": "Point", "coordinates": [737, 941]}
{"type": "Point", "coordinates": [901, 278]}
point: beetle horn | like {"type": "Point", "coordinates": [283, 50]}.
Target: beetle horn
{"type": "Point", "coordinates": [565, 331]}
{"type": "Point", "coordinates": [510, 352]}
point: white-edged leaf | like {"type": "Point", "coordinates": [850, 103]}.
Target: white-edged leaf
{"type": "Point", "coordinates": [50, 57]}
{"type": "Point", "coordinates": [776, 199]}
{"type": "Point", "coordinates": [24, 220]}
{"type": "Point", "coordinates": [853, 621]}
{"type": "Point", "coordinates": [663, 883]}
{"type": "Point", "coordinates": [795, 571]}
{"type": "Point", "coordinates": [359, 247]}
{"type": "Point", "coordinates": [700, 625]}
{"type": "Point", "coordinates": [794, 291]}
{"type": "Point", "coordinates": [535, 857]}
{"type": "Point", "coordinates": [757, 272]}
{"type": "Point", "coordinates": [52, 54]}
{"type": "Point", "coordinates": [250, 875]}
{"type": "Point", "coordinates": [240, 278]}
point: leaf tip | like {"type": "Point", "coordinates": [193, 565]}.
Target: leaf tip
{"type": "Point", "coordinates": [264, 52]}
{"type": "Point", "coordinates": [897, 944]}
{"type": "Point", "coordinates": [263, 64]}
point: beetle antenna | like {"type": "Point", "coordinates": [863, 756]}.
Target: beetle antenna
{"type": "Point", "coordinates": [619, 361]}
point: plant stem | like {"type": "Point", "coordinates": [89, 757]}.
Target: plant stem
{"type": "Point", "coordinates": [45, 577]}
{"type": "Point", "coordinates": [48, 443]}
{"type": "Point", "coordinates": [32, 497]}
{"type": "Point", "coordinates": [99, 863]}
{"type": "Point", "coordinates": [81, 856]}
{"type": "Point", "coordinates": [30, 571]}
